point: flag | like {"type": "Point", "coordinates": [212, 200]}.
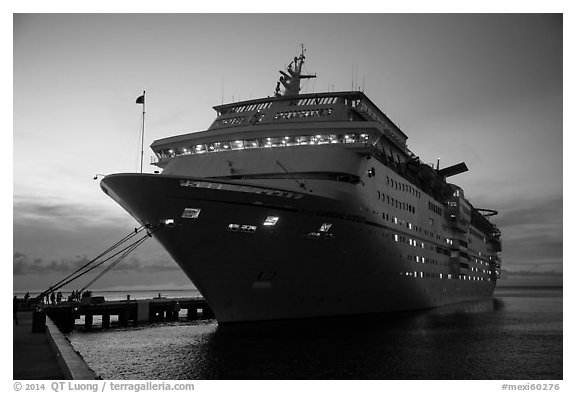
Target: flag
{"type": "Point", "coordinates": [140, 100]}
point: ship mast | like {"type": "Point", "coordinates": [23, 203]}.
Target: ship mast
{"type": "Point", "coordinates": [291, 80]}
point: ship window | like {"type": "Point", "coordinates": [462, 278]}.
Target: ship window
{"type": "Point", "coordinates": [396, 237]}
{"type": "Point", "coordinates": [251, 144]}
{"type": "Point", "coordinates": [191, 213]}
{"type": "Point", "coordinates": [270, 221]}
{"type": "Point", "coordinates": [305, 140]}
{"type": "Point", "coordinates": [248, 228]}
{"type": "Point", "coordinates": [277, 142]}
{"type": "Point", "coordinates": [236, 145]}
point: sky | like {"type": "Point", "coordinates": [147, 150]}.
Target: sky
{"type": "Point", "coordinates": [486, 89]}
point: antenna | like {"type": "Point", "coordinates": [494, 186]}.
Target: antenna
{"type": "Point", "coordinates": [353, 73]}
{"type": "Point", "coordinates": [356, 76]}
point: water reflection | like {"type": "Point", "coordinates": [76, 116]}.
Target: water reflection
{"type": "Point", "coordinates": [411, 345]}
{"type": "Point", "coordinates": [501, 338]}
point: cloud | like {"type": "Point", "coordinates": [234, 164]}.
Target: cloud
{"type": "Point", "coordinates": [523, 212]}
{"type": "Point", "coordinates": [531, 278]}
{"type": "Point", "coordinates": [532, 233]}
{"type": "Point", "coordinates": [64, 213]}
{"type": "Point", "coordinates": [136, 265]}
{"type": "Point", "coordinates": [23, 265]}
{"type": "Point", "coordinates": [541, 249]}
{"type": "Point", "coordinates": [507, 273]}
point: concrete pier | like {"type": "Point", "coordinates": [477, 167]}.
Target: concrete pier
{"type": "Point", "coordinates": [47, 355]}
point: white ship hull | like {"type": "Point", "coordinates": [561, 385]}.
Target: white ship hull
{"type": "Point", "coordinates": [287, 270]}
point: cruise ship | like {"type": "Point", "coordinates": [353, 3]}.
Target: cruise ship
{"type": "Point", "coordinates": [309, 205]}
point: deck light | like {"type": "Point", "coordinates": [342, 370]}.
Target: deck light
{"type": "Point", "coordinates": [191, 212]}
{"type": "Point", "coordinates": [270, 220]}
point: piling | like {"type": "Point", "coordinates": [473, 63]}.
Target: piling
{"type": "Point", "coordinates": [106, 320]}
{"type": "Point", "coordinates": [128, 311]}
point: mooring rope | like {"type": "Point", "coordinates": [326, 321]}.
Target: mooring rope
{"type": "Point", "coordinates": [118, 260]}
{"type": "Point", "coordinates": [98, 264]}
{"type": "Point", "coordinates": [70, 277]}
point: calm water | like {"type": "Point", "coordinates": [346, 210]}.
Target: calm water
{"type": "Point", "coordinates": [515, 335]}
